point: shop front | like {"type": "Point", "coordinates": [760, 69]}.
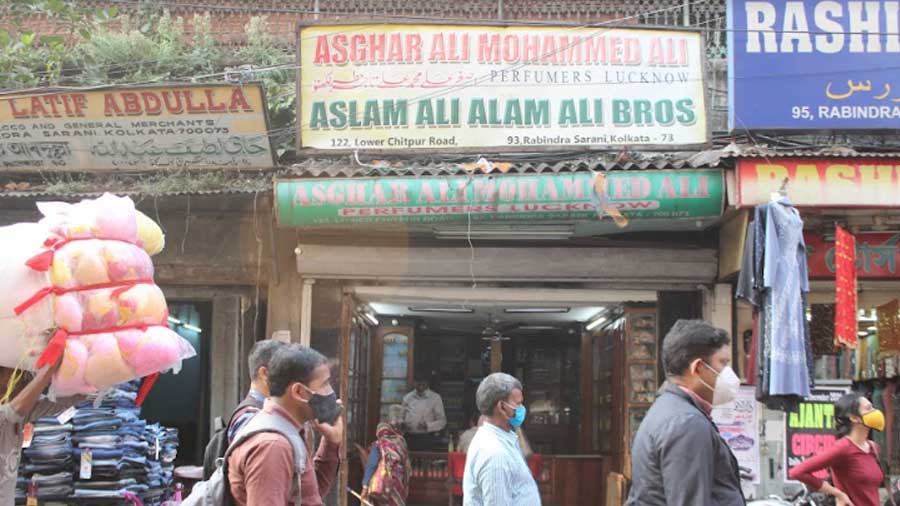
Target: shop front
{"type": "Point", "coordinates": [454, 277]}
{"type": "Point", "coordinates": [862, 196]}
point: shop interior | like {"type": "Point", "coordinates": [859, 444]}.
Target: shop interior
{"type": "Point", "coordinates": [570, 350]}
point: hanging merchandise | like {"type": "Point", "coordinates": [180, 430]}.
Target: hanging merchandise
{"type": "Point", "coordinates": [845, 325]}
{"type": "Point", "coordinates": [822, 329]}
{"type": "Point", "coordinates": [83, 275]}
{"type": "Point", "coordinates": [775, 281]}
{"type": "Point", "coordinates": [889, 327]}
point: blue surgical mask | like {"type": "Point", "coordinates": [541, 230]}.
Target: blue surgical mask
{"type": "Point", "coordinates": [518, 417]}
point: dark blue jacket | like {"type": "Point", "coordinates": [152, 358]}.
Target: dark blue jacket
{"type": "Point", "coordinates": [679, 458]}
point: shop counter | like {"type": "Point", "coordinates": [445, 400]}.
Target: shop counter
{"type": "Point", "coordinates": [562, 479]}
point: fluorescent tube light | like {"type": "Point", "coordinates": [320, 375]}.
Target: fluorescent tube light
{"type": "Point", "coordinates": [536, 310]}
{"type": "Point", "coordinates": [371, 318]}
{"type": "Point", "coordinates": [596, 322]}
{"type": "Point", "coordinates": [460, 310]}
{"type": "Point", "coordinates": [188, 326]}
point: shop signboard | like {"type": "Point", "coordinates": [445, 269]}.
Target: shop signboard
{"type": "Point", "coordinates": [738, 423]}
{"type": "Point", "coordinates": [818, 64]}
{"type": "Point", "coordinates": [428, 87]}
{"type": "Point", "coordinates": [821, 182]}
{"type": "Point", "coordinates": [668, 194]}
{"type": "Point", "coordinates": [809, 429]}
{"type": "Point", "coordinates": [877, 256]}
{"type": "Point", "coordinates": [211, 126]}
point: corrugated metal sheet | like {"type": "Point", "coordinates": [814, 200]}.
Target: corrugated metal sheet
{"type": "Point", "coordinates": [86, 185]}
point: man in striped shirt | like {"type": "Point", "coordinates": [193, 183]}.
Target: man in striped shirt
{"type": "Point", "coordinates": [496, 473]}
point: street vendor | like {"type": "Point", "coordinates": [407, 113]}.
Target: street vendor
{"type": "Point", "coordinates": [424, 416]}
{"type": "Point", "coordinates": [26, 403]}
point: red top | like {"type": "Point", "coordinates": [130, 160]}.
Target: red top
{"type": "Point", "coordinates": [855, 472]}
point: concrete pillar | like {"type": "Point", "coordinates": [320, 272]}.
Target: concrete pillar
{"type": "Point", "coordinates": [285, 295]}
{"type": "Point", "coordinates": [718, 306]}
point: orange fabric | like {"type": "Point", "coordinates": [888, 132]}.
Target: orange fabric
{"type": "Point", "coordinates": [535, 463]}
{"type": "Point", "coordinates": [456, 461]}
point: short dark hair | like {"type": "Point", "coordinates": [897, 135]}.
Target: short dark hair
{"type": "Point", "coordinates": [261, 354]}
{"type": "Point", "coordinates": [689, 340]}
{"type": "Point", "coordinates": [293, 363]}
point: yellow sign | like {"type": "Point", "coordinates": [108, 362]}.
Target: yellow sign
{"type": "Point", "coordinates": [428, 87]}
{"type": "Point", "coordinates": [191, 127]}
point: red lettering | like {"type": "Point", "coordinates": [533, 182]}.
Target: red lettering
{"type": "Point", "coordinates": [80, 101]}
{"type": "Point", "coordinates": [212, 104]}
{"type": "Point", "coordinates": [172, 99]}
{"type": "Point", "coordinates": [191, 108]}
{"type": "Point", "coordinates": [322, 55]}
{"type": "Point", "coordinates": [339, 42]}
{"type": "Point", "coordinates": [152, 104]}
{"type": "Point", "coordinates": [37, 108]}
{"type": "Point", "coordinates": [110, 107]}
{"type": "Point", "coordinates": [413, 48]}
{"type": "Point", "coordinates": [15, 112]}
{"type": "Point", "coordinates": [132, 103]}
{"type": "Point", "coordinates": [381, 211]}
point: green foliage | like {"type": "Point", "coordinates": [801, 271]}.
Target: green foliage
{"type": "Point", "coordinates": [106, 47]}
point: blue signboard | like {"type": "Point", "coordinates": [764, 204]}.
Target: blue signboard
{"type": "Point", "coordinates": [815, 64]}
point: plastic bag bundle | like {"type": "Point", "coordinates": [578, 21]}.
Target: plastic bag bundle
{"type": "Point", "coordinates": [84, 272]}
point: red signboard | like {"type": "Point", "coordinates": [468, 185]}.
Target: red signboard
{"type": "Point", "coordinates": [876, 256]}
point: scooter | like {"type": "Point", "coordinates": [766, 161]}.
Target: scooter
{"type": "Point", "coordinates": [801, 498]}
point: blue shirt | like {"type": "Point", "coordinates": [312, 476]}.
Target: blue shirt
{"type": "Point", "coordinates": [496, 473]}
{"type": "Point", "coordinates": [247, 415]}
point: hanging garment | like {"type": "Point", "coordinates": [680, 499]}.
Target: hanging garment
{"type": "Point", "coordinates": [785, 275]}
{"type": "Point", "coordinates": [822, 329]}
{"type": "Point", "coordinates": [889, 328]}
{"type": "Point", "coordinates": [845, 327]}
{"type": "Point", "coordinates": [774, 279]}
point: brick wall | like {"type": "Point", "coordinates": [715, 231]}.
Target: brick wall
{"type": "Point", "coordinates": [230, 16]}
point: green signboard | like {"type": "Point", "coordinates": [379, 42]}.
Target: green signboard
{"type": "Point", "coordinates": [663, 194]}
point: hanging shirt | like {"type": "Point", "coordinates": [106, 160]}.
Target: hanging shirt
{"type": "Point", "coordinates": [496, 472]}
{"type": "Point", "coordinates": [427, 408]}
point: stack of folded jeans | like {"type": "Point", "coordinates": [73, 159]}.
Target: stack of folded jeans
{"type": "Point", "coordinates": [129, 456]}
{"type": "Point", "coordinates": [47, 463]}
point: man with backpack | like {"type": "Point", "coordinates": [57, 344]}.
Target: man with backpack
{"type": "Point", "coordinates": [258, 361]}
{"type": "Point", "coordinates": [267, 463]}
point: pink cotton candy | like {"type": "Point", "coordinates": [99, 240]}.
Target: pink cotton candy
{"type": "Point", "coordinates": [69, 378]}
{"type": "Point", "coordinates": [126, 262]}
{"type": "Point", "coordinates": [105, 365]}
{"type": "Point", "coordinates": [142, 304]}
{"type": "Point", "coordinates": [68, 313]}
{"type": "Point", "coordinates": [90, 270]}
{"type": "Point", "coordinates": [157, 350]}
{"type": "Point", "coordinates": [128, 342]}
{"type": "Point", "coordinates": [101, 311]}
{"type": "Point", "coordinates": [115, 218]}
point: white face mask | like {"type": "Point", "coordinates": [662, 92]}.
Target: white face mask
{"type": "Point", "coordinates": [727, 385]}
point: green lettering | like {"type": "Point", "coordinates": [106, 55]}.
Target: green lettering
{"type": "Point", "coordinates": [621, 112]}
{"type": "Point", "coordinates": [477, 113]}
{"type": "Point", "coordinates": [665, 113]}
{"type": "Point", "coordinates": [794, 420]}
{"type": "Point", "coordinates": [338, 111]}
{"type": "Point", "coordinates": [537, 112]}
{"type": "Point", "coordinates": [685, 108]}
{"type": "Point", "coordinates": [425, 113]}
{"type": "Point", "coordinates": [371, 116]}
{"type": "Point", "coordinates": [318, 116]}
{"type": "Point", "coordinates": [394, 112]}
{"type": "Point", "coordinates": [643, 114]}
{"type": "Point", "coordinates": [568, 114]}
{"type": "Point", "coordinates": [513, 115]}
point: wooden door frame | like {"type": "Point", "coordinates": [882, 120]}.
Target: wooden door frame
{"type": "Point", "coordinates": [348, 306]}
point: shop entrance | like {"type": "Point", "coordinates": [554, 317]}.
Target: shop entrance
{"type": "Point", "coordinates": [587, 359]}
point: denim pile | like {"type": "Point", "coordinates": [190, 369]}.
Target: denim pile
{"type": "Point", "coordinates": [129, 456]}
{"type": "Point", "coordinates": [47, 463]}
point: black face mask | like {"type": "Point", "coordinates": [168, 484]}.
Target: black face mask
{"type": "Point", "coordinates": [325, 407]}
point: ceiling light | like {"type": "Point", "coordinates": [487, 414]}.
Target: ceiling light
{"type": "Point", "coordinates": [505, 232]}
{"type": "Point", "coordinates": [174, 321]}
{"type": "Point", "coordinates": [536, 310]}
{"type": "Point", "coordinates": [596, 322]}
{"type": "Point", "coordinates": [187, 326]}
{"type": "Point", "coordinates": [537, 327]}
{"type": "Point", "coordinates": [371, 318]}
{"type": "Point", "coordinates": [461, 310]}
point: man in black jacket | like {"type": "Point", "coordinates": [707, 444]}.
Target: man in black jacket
{"type": "Point", "coordinates": [678, 457]}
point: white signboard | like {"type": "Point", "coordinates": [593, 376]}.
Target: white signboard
{"type": "Point", "coordinates": [389, 87]}
{"type": "Point", "coordinates": [738, 423]}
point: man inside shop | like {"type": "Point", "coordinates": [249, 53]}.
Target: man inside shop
{"type": "Point", "coordinates": [424, 417]}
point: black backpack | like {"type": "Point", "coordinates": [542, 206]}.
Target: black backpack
{"type": "Point", "coordinates": [218, 443]}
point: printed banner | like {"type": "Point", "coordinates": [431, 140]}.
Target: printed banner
{"type": "Point", "coordinates": [818, 64]}
{"type": "Point", "coordinates": [647, 194]}
{"type": "Point", "coordinates": [809, 430]}
{"type": "Point", "coordinates": [825, 182]}
{"type": "Point", "coordinates": [738, 423]}
{"type": "Point", "coordinates": [171, 127]}
{"type": "Point", "coordinates": [877, 256]}
{"type": "Point", "coordinates": [389, 87]}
